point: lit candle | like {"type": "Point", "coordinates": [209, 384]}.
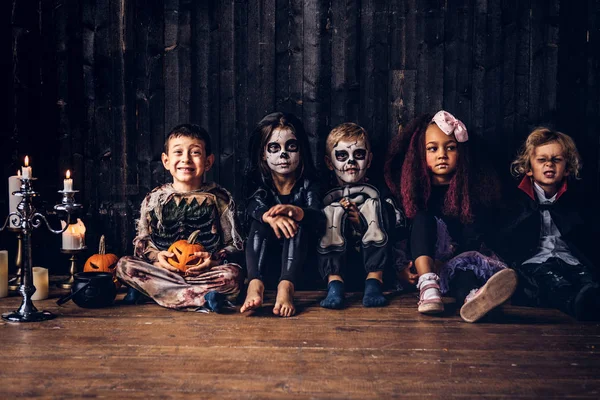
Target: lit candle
{"type": "Point", "coordinates": [14, 185]}
{"type": "Point", "coordinates": [40, 281]}
{"type": "Point", "coordinates": [68, 183]}
{"type": "Point", "coordinates": [26, 169]}
{"type": "Point", "coordinates": [3, 273]}
{"type": "Point", "coordinates": [74, 237]}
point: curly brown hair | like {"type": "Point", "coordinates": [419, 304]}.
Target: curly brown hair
{"type": "Point", "coordinates": [408, 177]}
{"type": "Point", "coordinates": [539, 137]}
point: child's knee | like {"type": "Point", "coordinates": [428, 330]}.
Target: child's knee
{"type": "Point", "coordinates": [230, 273]}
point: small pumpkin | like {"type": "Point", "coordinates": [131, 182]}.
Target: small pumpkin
{"type": "Point", "coordinates": [183, 253]}
{"type": "Point", "coordinates": [102, 262]}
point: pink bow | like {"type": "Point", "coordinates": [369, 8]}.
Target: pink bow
{"type": "Point", "coordinates": [449, 124]}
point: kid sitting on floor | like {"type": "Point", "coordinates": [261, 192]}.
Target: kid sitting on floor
{"type": "Point", "coordinates": [285, 207]}
{"type": "Point", "coordinates": [358, 219]}
{"type": "Point", "coordinates": [172, 212]}
{"type": "Point", "coordinates": [443, 193]}
{"type": "Point", "coordinates": [547, 239]}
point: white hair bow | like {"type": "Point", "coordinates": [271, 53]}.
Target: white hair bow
{"type": "Point", "coordinates": [449, 124]}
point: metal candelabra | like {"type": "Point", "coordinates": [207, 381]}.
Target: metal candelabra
{"type": "Point", "coordinates": [26, 218]}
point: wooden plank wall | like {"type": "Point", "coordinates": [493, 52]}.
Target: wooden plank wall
{"type": "Point", "coordinates": [94, 85]}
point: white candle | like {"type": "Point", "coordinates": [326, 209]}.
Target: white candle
{"type": "Point", "coordinates": [26, 170]}
{"type": "Point", "coordinates": [3, 273]}
{"type": "Point", "coordinates": [68, 183]}
{"type": "Point", "coordinates": [74, 237]}
{"type": "Point", "coordinates": [14, 185]}
{"type": "Point", "coordinates": [40, 281]}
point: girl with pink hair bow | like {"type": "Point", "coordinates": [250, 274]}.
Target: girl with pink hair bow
{"type": "Point", "coordinates": [446, 198]}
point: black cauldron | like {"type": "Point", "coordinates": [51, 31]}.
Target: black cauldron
{"type": "Point", "coordinates": [92, 290]}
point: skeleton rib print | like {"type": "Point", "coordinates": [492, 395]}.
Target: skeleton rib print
{"type": "Point", "coordinates": [180, 220]}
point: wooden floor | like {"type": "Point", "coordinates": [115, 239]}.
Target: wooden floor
{"type": "Point", "coordinates": [147, 351]}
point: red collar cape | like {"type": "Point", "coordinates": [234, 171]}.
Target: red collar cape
{"type": "Point", "coordinates": [526, 185]}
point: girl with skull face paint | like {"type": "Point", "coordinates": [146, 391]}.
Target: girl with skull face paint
{"type": "Point", "coordinates": [447, 194]}
{"type": "Point", "coordinates": [358, 220]}
{"type": "Point", "coordinates": [284, 208]}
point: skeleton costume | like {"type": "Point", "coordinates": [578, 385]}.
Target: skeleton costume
{"type": "Point", "coordinates": [349, 160]}
{"type": "Point", "coordinates": [166, 216]}
{"type": "Point", "coordinates": [263, 247]}
{"type": "Point", "coordinates": [340, 235]}
{"type": "Point", "coordinates": [267, 258]}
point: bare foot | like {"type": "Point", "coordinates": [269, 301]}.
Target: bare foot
{"type": "Point", "coordinates": [284, 303]}
{"type": "Point", "coordinates": [254, 297]}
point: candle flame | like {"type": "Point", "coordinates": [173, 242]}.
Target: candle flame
{"type": "Point", "coordinates": [68, 174]}
{"type": "Point", "coordinates": [27, 161]}
{"type": "Point", "coordinates": [19, 173]}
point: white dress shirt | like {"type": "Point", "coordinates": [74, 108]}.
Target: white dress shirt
{"type": "Point", "coordinates": [551, 244]}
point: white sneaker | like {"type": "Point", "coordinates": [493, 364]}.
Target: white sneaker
{"type": "Point", "coordinates": [496, 291]}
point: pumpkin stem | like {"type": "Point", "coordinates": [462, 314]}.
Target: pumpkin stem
{"type": "Point", "coordinates": [102, 246]}
{"type": "Point", "coordinates": [192, 238]}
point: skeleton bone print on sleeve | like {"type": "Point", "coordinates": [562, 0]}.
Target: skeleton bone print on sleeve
{"type": "Point", "coordinates": [367, 199]}
{"type": "Point", "coordinates": [281, 152]}
{"type": "Point", "coordinates": [350, 159]}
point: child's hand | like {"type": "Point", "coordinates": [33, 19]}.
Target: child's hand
{"type": "Point", "coordinates": [282, 225]}
{"type": "Point", "coordinates": [353, 214]}
{"type": "Point", "coordinates": [207, 263]}
{"type": "Point", "coordinates": [289, 210]}
{"type": "Point", "coordinates": [407, 275]}
{"type": "Point", "coordinates": [163, 263]}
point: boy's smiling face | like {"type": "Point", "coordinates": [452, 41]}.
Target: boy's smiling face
{"type": "Point", "coordinates": [187, 162]}
{"type": "Point", "coordinates": [548, 167]}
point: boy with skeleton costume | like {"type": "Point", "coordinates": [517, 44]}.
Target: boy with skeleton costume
{"type": "Point", "coordinates": [356, 218]}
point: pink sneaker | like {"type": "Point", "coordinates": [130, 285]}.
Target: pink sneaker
{"type": "Point", "coordinates": [496, 291]}
{"type": "Point", "coordinates": [433, 305]}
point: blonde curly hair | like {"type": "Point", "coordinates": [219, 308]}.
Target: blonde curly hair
{"type": "Point", "coordinates": [539, 137]}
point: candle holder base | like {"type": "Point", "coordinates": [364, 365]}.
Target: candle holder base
{"type": "Point", "coordinates": [67, 283]}
{"type": "Point", "coordinates": [72, 269]}
{"type": "Point", "coordinates": [36, 316]}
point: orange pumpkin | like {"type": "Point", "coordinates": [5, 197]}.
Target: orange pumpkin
{"type": "Point", "coordinates": [183, 253]}
{"type": "Point", "coordinates": [102, 262]}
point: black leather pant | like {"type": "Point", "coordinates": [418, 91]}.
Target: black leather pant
{"type": "Point", "coordinates": [554, 284]}
{"type": "Point", "coordinates": [264, 251]}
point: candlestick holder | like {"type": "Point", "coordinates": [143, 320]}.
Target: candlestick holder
{"type": "Point", "coordinates": [68, 205]}
{"type": "Point", "coordinates": [15, 282]}
{"type": "Point", "coordinates": [73, 268]}
{"type": "Point", "coordinates": [26, 219]}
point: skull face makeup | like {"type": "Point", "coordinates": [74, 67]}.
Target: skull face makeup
{"type": "Point", "coordinates": [350, 160]}
{"type": "Point", "coordinates": [281, 152]}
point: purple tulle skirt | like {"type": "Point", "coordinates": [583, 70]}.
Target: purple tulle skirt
{"type": "Point", "coordinates": [483, 266]}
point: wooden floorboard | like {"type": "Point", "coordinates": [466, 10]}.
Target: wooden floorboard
{"type": "Point", "coordinates": [147, 351]}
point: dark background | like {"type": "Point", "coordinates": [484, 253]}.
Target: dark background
{"type": "Point", "coordinates": [94, 85]}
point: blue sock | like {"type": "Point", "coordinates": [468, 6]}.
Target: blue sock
{"type": "Point", "coordinates": [373, 296]}
{"type": "Point", "coordinates": [335, 295]}
{"type": "Point", "coordinates": [214, 300]}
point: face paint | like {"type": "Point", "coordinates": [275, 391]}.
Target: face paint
{"type": "Point", "coordinates": [281, 152]}
{"type": "Point", "coordinates": [350, 160]}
